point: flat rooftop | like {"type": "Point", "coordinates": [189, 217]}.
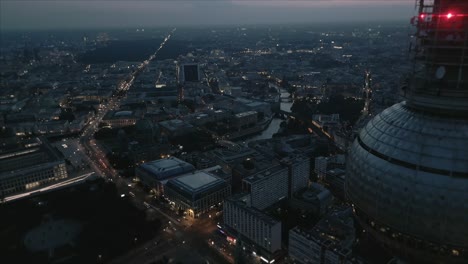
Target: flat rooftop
{"type": "Point", "coordinates": [261, 175]}
{"type": "Point", "coordinates": [194, 186]}
{"type": "Point", "coordinates": [239, 201]}
{"type": "Point", "coordinates": [313, 192]}
{"type": "Point", "coordinates": [28, 153]}
{"type": "Point", "coordinates": [164, 168]}
{"type": "Point", "coordinates": [248, 113]}
{"type": "Point", "coordinates": [122, 114]}
{"type": "Point", "coordinates": [232, 154]}
{"type": "Point", "coordinates": [197, 180]}
{"type": "Point", "coordinates": [336, 172]}
{"type": "Point", "coordinates": [175, 124]}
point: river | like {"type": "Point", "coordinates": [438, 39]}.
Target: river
{"type": "Point", "coordinates": [276, 122]}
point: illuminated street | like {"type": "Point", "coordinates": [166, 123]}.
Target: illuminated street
{"type": "Point", "coordinates": [62, 184]}
{"type": "Point", "coordinates": [193, 234]}
{"type": "Point", "coordinates": [237, 132]}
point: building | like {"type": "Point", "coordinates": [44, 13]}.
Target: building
{"type": "Point", "coordinates": [257, 106]}
{"type": "Point", "coordinates": [197, 192]}
{"type": "Point", "coordinates": [166, 92]}
{"type": "Point", "coordinates": [175, 128]}
{"type": "Point", "coordinates": [407, 170]}
{"type": "Point", "coordinates": [146, 131]}
{"type": "Point", "coordinates": [329, 242]}
{"type": "Point", "coordinates": [231, 154]}
{"type": "Point", "coordinates": [304, 145]}
{"type": "Point", "coordinates": [154, 174]}
{"type": "Point", "coordinates": [219, 172]}
{"type": "Point", "coordinates": [249, 167]}
{"type": "Point", "coordinates": [342, 140]}
{"type": "Point", "coordinates": [321, 120]}
{"type": "Point", "coordinates": [31, 165]}
{"type": "Point", "coordinates": [267, 187]}
{"type": "Point", "coordinates": [189, 72]}
{"type": "Point", "coordinates": [298, 172]}
{"type": "Point", "coordinates": [232, 91]}
{"type": "Point", "coordinates": [142, 152]}
{"type": "Point", "coordinates": [53, 127]}
{"type": "Point", "coordinates": [253, 226]}
{"type": "Point", "coordinates": [315, 200]}
{"type": "Point", "coordinates": [335, 180]}
{"type": "Point", "coordinates": [321, 164]}
{"type": "Point", "coordinates": [120, 118]}
{"type": "Point", "coordinates": [206, 117]}
{"type": "Point", "coordinates": [199, 159]}
{"type": "Point", "coordinates": [244, 120]}
{"type": "Point", "coordinates": [307, 247]}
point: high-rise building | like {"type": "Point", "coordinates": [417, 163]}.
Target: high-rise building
{"type": "Point", "coordinates": [188, 72]}
{"type": "Point", "coordinates": [321, 164]}
{"type": "Point", "coordinates": [408, 168]}
{"type": "Point", "coordinates": [33, 164]}
{"type": "Point", "coordinates": [267, 187]}
{"type": "Point", "coordinates": [298, 172]}
{"type": "Point", "coordinates": [252, 225]}
{"type": "Point", "coordinates": [329, 242]}
{"type": "Point", "coordinates": [335, 180]}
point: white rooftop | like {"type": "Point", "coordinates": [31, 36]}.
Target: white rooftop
{"type": "Point", "coordinates": [164, 168]}
{"type": "Point", "coordinates": [123, 113]}
{"type": "Point", "coordinates": [197, 180]}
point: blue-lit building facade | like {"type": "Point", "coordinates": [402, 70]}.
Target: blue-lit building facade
{"type": "Point", "coordinates": [155, 174]}
{"type": "Point", "coordinates": [197, 192]}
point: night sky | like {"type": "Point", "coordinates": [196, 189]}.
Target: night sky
{"type": "Point", "coordinates": [20, 14]}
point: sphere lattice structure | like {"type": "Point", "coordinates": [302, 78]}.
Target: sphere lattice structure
{"type": "Point", "coordinates": [408, 169]}
{"type": "Point", "coordinates": [408, 180]}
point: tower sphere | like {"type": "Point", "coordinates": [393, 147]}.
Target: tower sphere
{"type": "Point", "coordinates": [407, 170]}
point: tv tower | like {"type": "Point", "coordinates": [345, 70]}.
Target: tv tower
{"type": "Point", "coordinates": [367, 92]}
{"type": "Point", "coordinates": [407, 171]}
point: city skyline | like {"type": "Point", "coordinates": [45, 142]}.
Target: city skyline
{"type": "Point", "coordinates": [234, 131]}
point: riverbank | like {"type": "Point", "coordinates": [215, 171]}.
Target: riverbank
{"type": "Point", "coordinates": [238, 135]}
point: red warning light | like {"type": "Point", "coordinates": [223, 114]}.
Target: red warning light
{"type": "Point", "coordinates": [449, 15]}
{"type": "Point", "coordinates": [422, 16]}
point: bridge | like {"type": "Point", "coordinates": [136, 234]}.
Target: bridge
{"type": "Point", "coordinates": [312, 126]}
